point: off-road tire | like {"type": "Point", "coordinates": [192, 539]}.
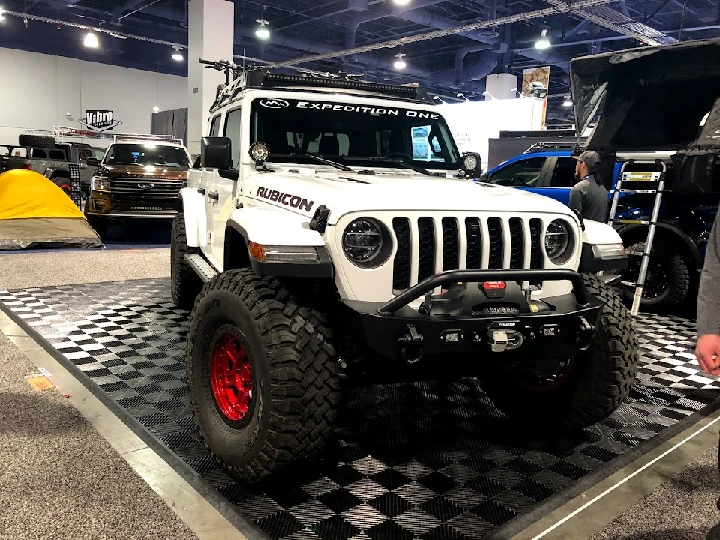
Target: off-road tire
{"type": "Point", "coordinates": [37, 141]}
{"type": "Point", "coordinates": [678, 275]}
{"type": "Point", "coordinates": [295, 381]}
{"type": "Point", "coordinates": [599, 381]}
{"type": "Point", "coordinates": [185, 284]}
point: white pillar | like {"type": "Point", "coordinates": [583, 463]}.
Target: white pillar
{"type": "Point", "coordinates": [502, 86]}
{"type": "Point", "coordinates": [211, 26]}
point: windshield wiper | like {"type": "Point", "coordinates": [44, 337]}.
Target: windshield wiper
{"type": "Point", "coordinates": [402, 162]}
{"type": "Point", "coordinates": [321, 159]}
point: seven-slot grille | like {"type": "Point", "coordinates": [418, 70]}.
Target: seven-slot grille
{"type": "Point", "coordinates": [501, 240]}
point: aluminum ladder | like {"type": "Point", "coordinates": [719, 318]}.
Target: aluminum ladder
{"type": "Point", "coordinates": [657, 178]}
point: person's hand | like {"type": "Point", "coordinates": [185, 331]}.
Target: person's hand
{"type": "Point", "coordinates": [708, 353]}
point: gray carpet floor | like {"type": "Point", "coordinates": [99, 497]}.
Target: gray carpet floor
{"type": "Point", "coordinates": [682, 508]}
{"type": "Point", "coordinates": [59, 478]}
{"type": "Point", "coordinates": [45, 269]}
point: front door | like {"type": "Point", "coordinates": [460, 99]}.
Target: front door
{"type": "Point", "coordinates": [221, 194]}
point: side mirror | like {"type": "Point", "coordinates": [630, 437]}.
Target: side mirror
{"type": "Point", "coordinates": [92, 162]}
{"type": "Point", "coordinates": [216, 153]}
{"type": "Point", "coordinates": [471, 165]}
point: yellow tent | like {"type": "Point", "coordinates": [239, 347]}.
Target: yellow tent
{"type": "Point", "coordinates": [34, 212]}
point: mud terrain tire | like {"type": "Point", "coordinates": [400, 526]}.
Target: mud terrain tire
{"type": "Point", "coordinates": [292, 377]}
{"type": "Point", "coordinates": [185, 284]}
{"type": "Point", "coordinates": [599, 379]}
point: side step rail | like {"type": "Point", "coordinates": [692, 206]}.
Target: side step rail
{"type": "Point", "coordinates": [658, 178]}
{"type": "Point", "coordinates": [202, 268]}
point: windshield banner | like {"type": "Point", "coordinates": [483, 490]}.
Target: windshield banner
{"type": "Point", "coordinates": [365, 109]}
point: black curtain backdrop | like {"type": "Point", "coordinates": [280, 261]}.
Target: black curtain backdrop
{"type": "Point", "coordinates": [173, 122]}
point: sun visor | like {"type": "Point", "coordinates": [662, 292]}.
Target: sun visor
{"type": "Point", "coordinates": [654, 98]}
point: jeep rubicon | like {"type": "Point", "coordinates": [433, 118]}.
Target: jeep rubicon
{"type": "Point", "coordinates": [332, 233]}
{"type": "Point", "coordinates": [137, 178]}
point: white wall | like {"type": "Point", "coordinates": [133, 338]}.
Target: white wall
{"type": "Point", "coordinates": [474, 123]}
{"type": "Point", "coordinates": [37, 91]}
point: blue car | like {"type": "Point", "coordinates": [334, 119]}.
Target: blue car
{"type": "Point", "coordinates": [684, 222]}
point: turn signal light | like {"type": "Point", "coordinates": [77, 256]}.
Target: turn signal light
{"type": "Point", "coordinates": [493, 285]}
{"type": "Point", "coordinates": [256, 251]}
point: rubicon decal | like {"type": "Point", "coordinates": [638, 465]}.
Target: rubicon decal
{"type": "Point", "coordinates": [286, 198]}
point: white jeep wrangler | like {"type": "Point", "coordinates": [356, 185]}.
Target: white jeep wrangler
{"type": "Point", "coordinates": [341, 237]}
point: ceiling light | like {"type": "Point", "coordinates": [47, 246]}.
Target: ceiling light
{"type": "Point", "coordinates": [262, 31]}
{"type": "Point", "coordinates": [177, 55]}
{"type": "Point", "coordinates": [156, 109]}
{"type": "Point", "coordinates": [399, 62]}
{"type": "Point", "coordinates": [2, 14]}
{"type": "Point", "coordinates": [402, 2]}
{"type": "Point", "coordinates": [91, 41]}
{"type": "Point", "coordinates": [567, 103]}
{"type": "Point", "coordinates": [543, 42]}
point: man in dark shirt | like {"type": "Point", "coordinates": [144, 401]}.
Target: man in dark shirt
{"type": "Point", "coordinates": [589, 196]}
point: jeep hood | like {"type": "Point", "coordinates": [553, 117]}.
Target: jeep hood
{"type": "Point", "coordinates": [345, 192]}
{"type": "Point", "coordinates": [651, 98]}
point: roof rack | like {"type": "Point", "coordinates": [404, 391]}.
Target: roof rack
{"type": "Point", "coordinates": [263, 79]}
{"type": "Point", "coordinates": [539, 147]}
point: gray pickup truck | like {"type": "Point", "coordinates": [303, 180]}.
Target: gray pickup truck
{"type": "Point", "coordinates": [51, 159]}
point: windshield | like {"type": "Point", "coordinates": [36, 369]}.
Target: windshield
{"type": "Point", "coordinates": [352, 133]}
{"type": "Point", "coordinates": [147, 154]}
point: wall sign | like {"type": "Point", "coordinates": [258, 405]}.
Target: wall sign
{"type": "Point", "coordinates": [100, 120]}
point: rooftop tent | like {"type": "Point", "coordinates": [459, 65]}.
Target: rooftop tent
{"type": "Point", "coordinates": [34, 212]}
{"type": "Point", "coordinates": [652, 98]}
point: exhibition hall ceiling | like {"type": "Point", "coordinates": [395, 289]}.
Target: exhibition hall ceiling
{"type": "Point", "coordinates": [447, 65]}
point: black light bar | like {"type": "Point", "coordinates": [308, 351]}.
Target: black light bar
{"type": "Point", "coordinates": [259, 79]}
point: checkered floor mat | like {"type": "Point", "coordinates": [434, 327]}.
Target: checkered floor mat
{"type": "Point", "coordinates": [414, 461]}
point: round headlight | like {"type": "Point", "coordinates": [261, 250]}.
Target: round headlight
{"type": "Point", "coordinates": [367, 243]}
{"type": "Point", "coordinates": [558, 241]}
{"type": "Point", "coordinates": [259, 151]}
{"type": "Point", "coordinates": [470, 162]}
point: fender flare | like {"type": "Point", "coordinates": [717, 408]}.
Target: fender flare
{"type": "Point", "coordinates": [192, 205]}
{"type": "Point", "coordinates": [274, 227]}
{"type": "Point", "coordinates": [683, 236]}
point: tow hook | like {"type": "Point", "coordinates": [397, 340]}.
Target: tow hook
{"type": "Point", "coordinates": [504, 339]}
{"type": "Point", "coordinates": [411, 346]}
{"type": "Point", "coordinates": [586, 331]}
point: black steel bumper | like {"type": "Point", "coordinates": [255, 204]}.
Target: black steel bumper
{"type": "Point", "coordinates": [505, 329]}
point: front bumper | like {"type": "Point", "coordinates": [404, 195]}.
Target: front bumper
{"type": "Point", "coordinates": [107, 204]}
{"type": "Point", "coordinates": [489, 331]}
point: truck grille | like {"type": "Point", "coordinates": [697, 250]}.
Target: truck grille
{"type": "Point", "coordinates": [145, 194]}
{"type": "Point", "coordinates": [506, 243]}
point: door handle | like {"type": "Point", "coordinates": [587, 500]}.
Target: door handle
{"type": "Point", "coordinates": [201, 190]}
{"type": "Point", "coordinates": [213, 195]}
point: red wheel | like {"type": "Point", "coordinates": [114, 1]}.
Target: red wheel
{"type": "Point", "coordinates": [231, 376]}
